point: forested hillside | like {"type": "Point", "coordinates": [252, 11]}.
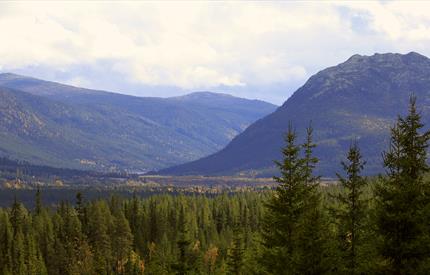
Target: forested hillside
{"type": "Point", "coordinates": [357, 226]}
{"type": "Point", "coordinates": [48, 123]}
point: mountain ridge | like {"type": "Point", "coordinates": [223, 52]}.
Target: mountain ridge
{"type": "Point", "coordinates": [357, 99]}
{"type": "Point", "coordinates": [103, 130]}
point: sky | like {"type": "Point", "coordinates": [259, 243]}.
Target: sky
{"type": "Point", "coordinates": [262, 50]}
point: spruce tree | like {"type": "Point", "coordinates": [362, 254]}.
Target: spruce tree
{"type": "Point", "coordinates": [17, 216]}
{"type": "Point", "coordinates": [182, 266]}
{"type": "Point", "coordinates": [18, 252]}
{"type": "Point", "coordinates": [98, 227]}
{"type": "Point", "coordinates": [290, 210]}
{"type": "Point", "coordinates": [38, 202]}
{"type": "Point", "coordinates": [44, 234]}
{"type": "Point", "coordinates": [313, 238]}
{"type": "Point", "coordinates": [122, 241]}
{"type": "Point", "coordinates": [80, 208]}
{"type": "Point", "coordinates": [33, 257]}
{"type": "Point", "coordinates": [6, 243]}
{"type": "Point", "coordinates": [153, 221]}
{"type": "Point", "coordinates": [350, 211]}
{"type": "Point", "coordinates": [310, 161]}
{"type": "Point", "coordinates": [236, 253]}
{"type": "Point", "coordinates": [71, 251]}
{"type": "Point", "coordinates": [403, 196]}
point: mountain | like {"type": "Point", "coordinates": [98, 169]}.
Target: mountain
{"type": "Point", "coordinates": [53, 124]}
{"type": "Point", "coordinates": [358, 99]}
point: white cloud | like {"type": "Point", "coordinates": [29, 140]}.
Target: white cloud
{"type": "Point", "coordinates": [195, 45]}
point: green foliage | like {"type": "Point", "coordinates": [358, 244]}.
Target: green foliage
{"type": "Point", "coordinates": [351, 214]}
{"type": "Point", "coordinates": [403, 198]}
{"type": "Point", "coordinates": [235, 259]}
{"type": "Point", "coordinates": [293, 226]}
{"type": "Point", "coordinates": [160, 235]}
{"type": "Point", "coordinates": [355, 226]}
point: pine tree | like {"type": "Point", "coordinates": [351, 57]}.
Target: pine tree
{"type": "Point", "coordinates": [6, 242]}
{"type": "Point", "coordinates": [80, 208]}
{"type": "Point", "coordinates": [313, 238]}
{"type": "Point", "coordinates": [314, 250]}
{"type": "Point", "coordinates": [310, 161]}
{"type": "Point", "coordinates": [18, 252]}
{"type": "Point", "coordinates": [71, 249]}
{"type": "Point", "coordinates": [403, 196]}
{"type": "Point", "coordinates": [33, 258]}
{"type": "Point", "coordinates": [235, 255]}
{"type": "Point", "coordinates": [98, 227]}
{"type": "Point", "coordinates": [44, 234]}
{"type": "Point", "coordinates": [153, 221]}
{"type": "Point", "coordinates": [17, 216]}
{"type": "Point", "coordinates": [18, 220]}
{"type": "Point", "coordinates": [289, 210]}
{"type": "Point", "coordinates": [122, 241]}
{"type": "Point", "coordinates": [135, 219]}
{"type": "Point", "coordinates": [38, 207]}
{"type": "Point", "coordinates": [350, 211]}
{"type": "Point", "coordinates": [182, 267]}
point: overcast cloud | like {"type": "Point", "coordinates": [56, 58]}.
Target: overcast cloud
{"type": "Point", "coordinates": [255, 50]}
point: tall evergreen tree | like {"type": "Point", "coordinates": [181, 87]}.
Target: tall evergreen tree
{"type": "Point", "coordinates": [80, 208]}
{"type": "Point", "coordinates": [182, 267]}
{"type": "Point", "coordinates": [18, 252]}
{"type": "Point", "coordinates": [17, 216]}
{"type": "Point", "coordinates": [313, 238]}
{"type": "Point", "coordinates": [310, 161]}
{"type": "Point", "coordinates": [122, 242]}
{"type": "Point", "coordinates": [403, 196]}
{"type": "Point", "coordinates": [153, 221]}
{"type": "Point", "coordinates": [290, 212]}
{"type": "Point", "coordinates": [44, 234]}
{"type": "Point", "coordinates": [38, 203]}
{"type": "Point", "coordinates": [99, 224]}
{"type": "Point", "coordinates": [236, 253]}
{"type": "Point", "coordinates": [6, 243]}
{"type": "Point", "coordinates": [350, 211]}
{"type": "Point", "coordinates": [33, 258]}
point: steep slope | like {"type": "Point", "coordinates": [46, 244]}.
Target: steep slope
{"type": "Point", "coordinates": [64, 126]}
{"type": "Point", "coordinates": [36, 129]}
{"type": "Point", "coordinates": [358, 99]}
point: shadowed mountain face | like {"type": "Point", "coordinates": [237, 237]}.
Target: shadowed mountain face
{"type": "Point", "coordinates": [358, 99]}
{"type": "Point", "coordinates": [59, 125]}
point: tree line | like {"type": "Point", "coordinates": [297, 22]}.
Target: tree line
{"type": "Point", "coordinates": [163, 234]}
{"type": "Point", "coordinates": [378, 225]}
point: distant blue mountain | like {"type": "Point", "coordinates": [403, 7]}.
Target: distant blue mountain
{"type": "Point", "coordinates": [64, 126]}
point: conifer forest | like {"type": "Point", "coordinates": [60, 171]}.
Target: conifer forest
{"type": "Point", "coordinates": [357, 225]}
{"type": "Point", "coordinates": [215, 137]}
